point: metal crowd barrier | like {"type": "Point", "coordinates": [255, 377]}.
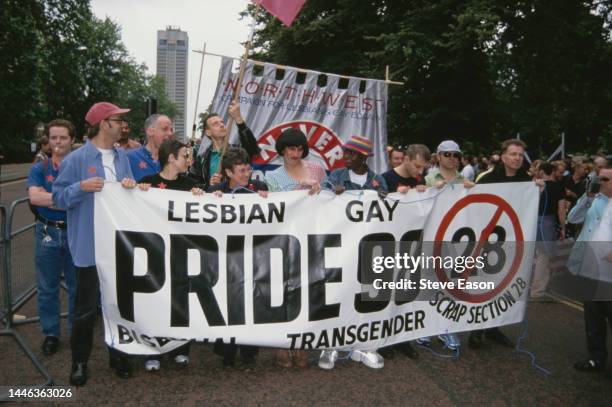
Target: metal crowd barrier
{"type": "Point", "coordinates": [21, 267]}
{"type": "Point", "coordinates": [24, 284]}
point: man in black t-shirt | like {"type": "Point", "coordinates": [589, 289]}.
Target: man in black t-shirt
{"type": "Point", "coordinates": [409, 174]}
{"type": "Point", "coordinates": [174, 159]}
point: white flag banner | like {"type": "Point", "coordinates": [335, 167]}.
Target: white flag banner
{"type": "Point", "coordinates": [275, 99]}
{"type": "Point", "coordinates": [309, 272]}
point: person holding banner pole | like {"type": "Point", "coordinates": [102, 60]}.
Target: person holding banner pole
{"type": "Point", "coordinates": [356, 176]}
{"type": "Point", "coordinates": [206, 167]}
{"type": "Point", "coordinates": [81, 174]}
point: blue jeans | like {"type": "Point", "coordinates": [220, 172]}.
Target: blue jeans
{"type": "Point", "coordinates": [53, 257]}
{"type": "Point", "coordinates": [546, 234]}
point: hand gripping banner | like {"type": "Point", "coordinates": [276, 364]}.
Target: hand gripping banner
{"type": "Point", "coordinates": [348, 271]}
{"type": "Point", "coordinates": [328, 115]}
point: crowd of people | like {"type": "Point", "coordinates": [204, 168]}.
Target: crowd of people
{"type": "Point", "coordinates": [62, 184]}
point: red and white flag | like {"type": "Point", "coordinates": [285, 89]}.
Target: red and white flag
{"type": "Point", "coordinates": [284, 10]}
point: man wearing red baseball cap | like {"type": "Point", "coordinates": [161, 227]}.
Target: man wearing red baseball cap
{"type": "Point", "coordinates": [81, 174]}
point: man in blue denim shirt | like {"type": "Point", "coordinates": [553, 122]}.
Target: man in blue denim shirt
{"type": "Point", "coordinates": [81, 174]}
{"type": "Point", "coordinates": [52, 253]}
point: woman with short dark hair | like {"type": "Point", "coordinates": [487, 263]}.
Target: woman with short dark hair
{"type": "Point", "coordinates": [295, 173]}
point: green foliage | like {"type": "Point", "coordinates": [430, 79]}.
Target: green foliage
{"type": "Point", "coordinates": [477, 71]}
{"type": "Point", "coordinates": [56, 60]}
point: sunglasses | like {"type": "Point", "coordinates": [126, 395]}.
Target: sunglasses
{"type": "Point", "coordinates": [604, 179]}
{"type": "Point", "coordinates": [456, 155]}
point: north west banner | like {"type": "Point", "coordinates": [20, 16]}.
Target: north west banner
{"type": "Point", "coordinates": [328, 109]}
{"type": "Point", "coordinates": [291, 270]}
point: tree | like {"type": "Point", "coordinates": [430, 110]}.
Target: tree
{"type": "Point", "coordinates": [57, 60]}
{"type": "Point", "coordinates": [477, 71]}
{"type": "Point", "coordinates": [21, 96]}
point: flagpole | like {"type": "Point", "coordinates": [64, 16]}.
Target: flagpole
{"type": "Point", "coordinates": [195, 112]}
{"type": "Point", "coordinates": [243, 63]}
{"type": "Point", "coordinates": [303, 70]}
{"type": "Point", "coordinates": [563, 144]}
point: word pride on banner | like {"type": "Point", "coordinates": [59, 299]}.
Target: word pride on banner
{"type": "Point", "coordinates": [328, 115]}
{"type": "Point", "coordinates": [310, 272]}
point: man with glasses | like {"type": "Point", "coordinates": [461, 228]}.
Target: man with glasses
{"type": "Point", "coordinates": [81, 174]}
{"type": "Point", "coordinates": [590, 209]}
{"type": "Point", "coordinates": [145, 160]}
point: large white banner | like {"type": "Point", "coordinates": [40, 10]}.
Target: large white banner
{"type": "Point", "coordinates": [301, 271]}
{"type": "Point", "coordinates": [329, 114]}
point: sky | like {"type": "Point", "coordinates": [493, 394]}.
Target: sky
{"type": "Point", "coordinates": [214, 22]}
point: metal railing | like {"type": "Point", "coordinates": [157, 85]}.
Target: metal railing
{"type": "Point", "coordinates": [24, 284]}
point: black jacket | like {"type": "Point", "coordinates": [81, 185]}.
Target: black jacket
{"type": "Point", "coordinates": [498, 174]}
{"type": "Point", "coordinates": [199, 170]}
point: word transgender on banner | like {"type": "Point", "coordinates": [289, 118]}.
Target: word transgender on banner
{"type": "Point", "coordinates": [328, 115]}
{"type": "Point", "coordinates": [299, 271]}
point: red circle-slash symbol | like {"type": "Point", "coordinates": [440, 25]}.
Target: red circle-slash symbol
{"type": "Point", "coordinates": [502, 208]}
{"type": "Point", "coordinates": [91, 170]}
{"type": "Point", "coordinates": [142, 165]}
{"type": "Point", "coordinates": [50, 178]}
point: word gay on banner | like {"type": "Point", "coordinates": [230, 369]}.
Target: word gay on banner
{"type": "Point", "coordinates": [328, 115]}
{"type": "Point", "coordinates": [299, 271]}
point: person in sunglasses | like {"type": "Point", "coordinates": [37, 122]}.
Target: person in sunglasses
{"type": "Point", "coordinates": [594, 211]}
{"type": "Point", "coordinates": [449, 156]}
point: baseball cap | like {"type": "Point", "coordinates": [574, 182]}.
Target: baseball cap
{"type": "Point", "coordinates": [448, 146]}
{"type": "Point", "coordinates": [359, 144]}
{"type": "Point", "coordinates": [101, 111]}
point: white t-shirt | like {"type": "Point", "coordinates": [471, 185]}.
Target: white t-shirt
{"type": "Point", "coordinates": [108, 162]}
{"type": "Point", "coordinates": [358, 179]}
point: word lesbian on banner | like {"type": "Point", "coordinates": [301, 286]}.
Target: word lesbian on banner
{"type": "Point", "coordinates": [328, 115]}
{"type": "Point", "coordinates": [310, 272]}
